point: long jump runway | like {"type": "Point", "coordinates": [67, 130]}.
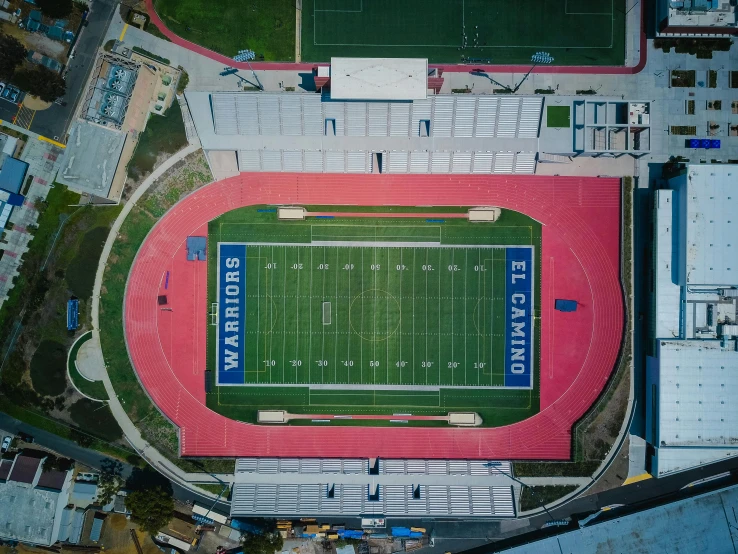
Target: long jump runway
{"type": "Point", "coordinates": [580, 259]}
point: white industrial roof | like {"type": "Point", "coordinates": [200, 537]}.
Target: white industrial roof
{"type": "Point", "coordinates": [672, 460]}
{"type": "Point", "coordinates": [712, 224]}
{"type": "Point", "coordinates": [379, 78]}
{"type": "Point", "coordinates": [667, 292]}
{"type": "Point", "coordinates": [698, 393]}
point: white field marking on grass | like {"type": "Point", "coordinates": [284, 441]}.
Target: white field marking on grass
{"type": "Point", "coordinates": [361, 9]}
{"type": "Point", "coordinates": [452, 319]}
{"type": "Point", "coordinates": [567, 12]}
{"type": "Point", "coordinates": [399, 342]}
{"type": "Point", "coordinates": [322, 335]}
{"type": "Point", "coordinates": [374, 316]}
{"type": "Point", "coordinates": [258, 313]}
{"type": "Point", "coordinates": [297, 313]}
{"type": "Point", "coordinates": [309, 361]}
{"type": "Point", "coordinates": [426, 318]}
{"type": "Point", "coordinates": [413, 315]}
{"type": "Point", "coordinates": [479, 306]}
{"type": "Point", "coordinates": [361, 336]}
{"type": "Point", "coordinates": [466, 301]}
{"type": "Point", "coordinates": [438, 360]}
{"type": "Point", "coordinates": [492, 320]}
{"type": "Point", "coordinates": [348, 314]}
{"type": "Point", "coordinates": [284, 319]}
{"type": "Point", "coordinates": [386, 346]}
{"type": "Point", "coordinates": [335, 327]}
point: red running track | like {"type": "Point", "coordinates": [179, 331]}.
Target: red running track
{"type": "Point", "coordinates": [580, 260]}
{"type": "Point", "coordinates": [457, 68]}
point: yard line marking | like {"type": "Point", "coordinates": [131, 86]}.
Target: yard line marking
{"type": "Point", "coordinates": [413, 315]}
{"type": "Point", "coordinates": [466, 301]}
{"type": "Point", "coordinates": [426, 318]}
{"type": "Point", "coordinates": [335, 337]}
{"type": "Point", "coordinates": [453, 300]}
{"type": "Point", "coordinates": [348, 342]}
{"type": "Point", "coordinates": [258, 314]}
{"type": "Point", "coordinates": [284, 318]}
{"type": "Point", "coordinates": [297, 313]}
{"type": "Point", "coordinates": [322, 334]}
{"type": "Point", "coordinates": [492, 321]}
{"type": "Point", "coordinates": [310, 342]}
{"type": "Point", "coordinates": [438, 360]}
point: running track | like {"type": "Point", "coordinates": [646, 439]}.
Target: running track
{"type": "Point", "coordinates": [580, 254]}
{"type": "Point", "coordinates": [286, 66]}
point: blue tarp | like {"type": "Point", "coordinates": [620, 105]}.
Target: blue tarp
{"type": "Point", "coordinates": [73, 317]}
{"type": "Point", "coordinates": [247, 527]}
{"type": "Point", "coordinates": [12, 175]}
{"type": "Point", "coordinates": [566, 305]}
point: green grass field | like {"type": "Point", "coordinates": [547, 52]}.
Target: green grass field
{"type": "Point", "coordinates": [408, 316]}
{"type": "Point", "coordinates": [265, 26]}
{"type": "Point", "coordinates": [575, 32]}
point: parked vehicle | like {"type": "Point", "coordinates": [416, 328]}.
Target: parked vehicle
{"type": "Point", "coordinates": [6, 444]}
{"type": "Point", "coordinates": [2, 86]}
{"type": "Point", "coordinates": [10, 94]}
{"type": "Point", "coordinates": [25, 437]}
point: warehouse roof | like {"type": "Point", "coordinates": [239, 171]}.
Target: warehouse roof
{"type": "Point", "coordinates": [379, 78]}
{"type": "Point", "coordinates": [712, 224]}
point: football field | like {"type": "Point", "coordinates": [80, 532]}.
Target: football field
{"type": "Point", "coordinates": [575, 32]}
{"type": "Point", "coordinates": [372, 315]}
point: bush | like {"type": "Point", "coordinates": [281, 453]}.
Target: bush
{"type": "Point", "coordinates": [48, 368]}
{"type": "Point", "coordinates": [96, 419]}
{"type": "Point", "coordinates": [151, 55]}
{"type": "Point", "coordinates": [55, 8]}
{"type": "Point", "coordinates": [184, 80]}
{"type": "Point", "coordinates": [80, 275]}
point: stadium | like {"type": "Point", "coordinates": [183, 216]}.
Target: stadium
{"type": "Point", "coordinates": [321, 301]}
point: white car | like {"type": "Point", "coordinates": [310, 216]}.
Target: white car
{"type": "Point", "coordinates": [6, 443]}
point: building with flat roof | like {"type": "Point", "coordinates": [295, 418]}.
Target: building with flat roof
{"type": "Point", "coordinates": [379, 78]}
{"type": "Point", "coordinates": [696, 18]}
{"type": "Point", "coordinates": [32, 501]}
{"type": "Point", "coordinates": [692, 375]}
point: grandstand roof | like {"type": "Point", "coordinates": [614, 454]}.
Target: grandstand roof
{"type": "Point", "coordinates": [379, 78]}
{"type": "Point", "coordinates": [335, 486]}
{"type": "Point", "coordinates": [309, 133]}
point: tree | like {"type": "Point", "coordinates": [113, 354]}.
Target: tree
{"type": "Point", "coordinates": [110, 480]}
{"type": "Point", "coordinates": [151, 508]}
{"type": "Point", "coordinates": [265, 543]}
{"type": "Point", "coordinates": [42, 82]}
{"type": "Point", "coordinates": [12, 54]}
{"type": "Point", "coordinates": [55, 8]}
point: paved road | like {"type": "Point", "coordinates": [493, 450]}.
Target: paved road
{"type": "Point", "coordinates": [55, 121]}
{"type": "Point", "coordinates": [92, 458]}
{"type": "Point", "coordinates": [635, 497]}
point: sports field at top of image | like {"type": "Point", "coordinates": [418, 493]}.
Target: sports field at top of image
{"type": "Point", "coordinates": [574, 32]}
{"type": "Point", "coordinates": [372, 315]}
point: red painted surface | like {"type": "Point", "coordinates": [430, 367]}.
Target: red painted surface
{"type": "Point", "coordinates": [581, 216]}
{"type": "Point", "coordinates": [290, 66]}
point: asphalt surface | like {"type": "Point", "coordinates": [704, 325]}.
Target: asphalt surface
{"type": "Point", "coordinates": [92, 458]}
{"type": "Point", "coordinates": [55, 121]}
{"type": "Point", "coordinates": [7, 110]}
{"type": "Point", "coordinates": [633, 498]}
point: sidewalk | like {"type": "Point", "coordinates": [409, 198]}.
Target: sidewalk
{"type": "Point", "coordinates": [132, 434]}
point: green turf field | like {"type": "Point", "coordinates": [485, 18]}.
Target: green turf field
{"type": "Point", "coordinates": [575, 32]}
{"type": "Point", "coordinates": [405, 317]}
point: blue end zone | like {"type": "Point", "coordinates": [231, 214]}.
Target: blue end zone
{"type": "Point", "coordinates": [231, 313]}
{"type": "Point", "coordinates": [518, 317]}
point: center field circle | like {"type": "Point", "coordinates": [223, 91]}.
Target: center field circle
{"type": "Point", "coordinates": [374, 315]}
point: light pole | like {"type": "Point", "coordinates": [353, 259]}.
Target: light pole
{"type": "Point", "coordinates": [247, 56]}
{"type": "Point", "coordinates": [496, 466]}
{"type": "Point", "coordinates": [536, 59]}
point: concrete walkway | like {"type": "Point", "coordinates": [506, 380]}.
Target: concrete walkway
{"type": "Point", "coordinates": [132, 434]}
{"type": "Point", "coordinates": [89, 361]}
